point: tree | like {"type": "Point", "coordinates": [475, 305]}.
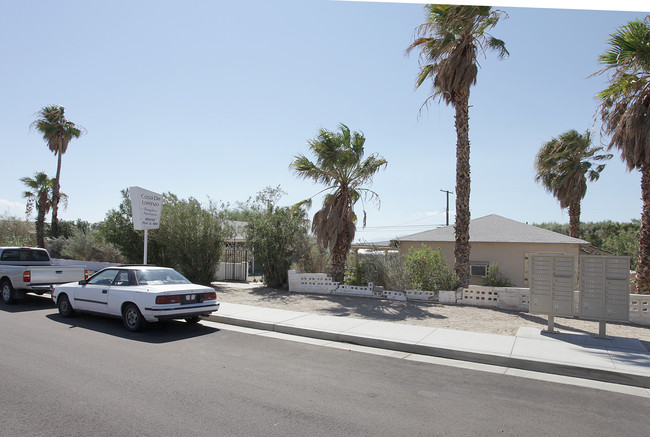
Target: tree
{"type": "Point", "coordinates": [15, 232]}
{"type": "Point", "coordinates": [191, 237]}
{"type": "Point", "coordinates": [117, 228]}
{"type": "Point", "coordinates": [340, 168]}
{"type": "Point", "coordinates": [276, 234]}
{"type": "Point", "coordinates": [449, 43]}
{"type": "Point", "coordinates": [563, 166]}
{"type": "Point", "coordinates": [57, 132]}
{"type": "Point", "coordinates": [39, 197]}
{"type": "Point", "coordinates": [625, 114]}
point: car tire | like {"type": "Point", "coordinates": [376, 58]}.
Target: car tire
{"type": "Point", "coordinates": [193, 320]}
{"type": "Point", "coordinates": [65, 308]}
{"type": "Point", "coordinates": [132, 318]}
{"type": "Point", "coordinates": [6, 292]}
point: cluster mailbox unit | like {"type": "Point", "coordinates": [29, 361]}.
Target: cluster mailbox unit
{"type": "Point", "coordinates": [552, 284]}
{"type": "Point", "coordinates": [605, 288]}
{"type": "Point", "coordinates": [603, 285]}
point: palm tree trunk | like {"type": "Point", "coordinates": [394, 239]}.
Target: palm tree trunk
{"type": "Point", "coordinates": [339, 256]}
{"type": "Point", "coordinates": [462, 246]}
{"type": "Point", "coordinates": [40, 227]}
{"type": "Point", "coordinates": [55, 199]}
{"type": "Point", "coordinates": [574, 219]}
{"type": "Point", "coordinates": [643, 264]}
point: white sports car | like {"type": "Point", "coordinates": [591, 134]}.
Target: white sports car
{"type": "Point", "coordinates": [137, 294]}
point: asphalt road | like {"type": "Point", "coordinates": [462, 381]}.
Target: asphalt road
{"type": "Point", "coordinates": [88, 376]}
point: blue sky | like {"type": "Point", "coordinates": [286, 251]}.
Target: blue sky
{"type": "Point", "coordinates": [214, 99]}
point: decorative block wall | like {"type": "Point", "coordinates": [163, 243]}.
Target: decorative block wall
{"type": "Point", "coordinates": [640, 309]}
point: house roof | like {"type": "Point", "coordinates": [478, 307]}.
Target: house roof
{"type": "Point", "coordinates": [496, 229]}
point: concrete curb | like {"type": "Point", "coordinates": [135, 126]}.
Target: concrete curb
{"type": "Point", "coordinates": [617, 376]}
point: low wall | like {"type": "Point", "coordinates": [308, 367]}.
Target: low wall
{"type": "Point", "coordinates": [509, 298]}
{"type": "Point", "coordinates": [321, 283]}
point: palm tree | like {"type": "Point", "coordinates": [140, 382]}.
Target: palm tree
{"type": "Point", "coordinates": [340, 168]}
{"type": "Point", "coordinates": [449, 43]}
{"type": "Point", "coordinates": [625, 113]}
{"type": "Point", "coordinates": [39, 197]}
{"type": "Point", "coordinates": [57, 133]}
{"type": "Point", "coordinates": [563, 166]}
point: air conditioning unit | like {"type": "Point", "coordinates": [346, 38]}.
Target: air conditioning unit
{"type": "Point", "coordinates": [478, 269]}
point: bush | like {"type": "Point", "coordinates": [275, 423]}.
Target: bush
{"type": "Point", "coordinates": [312, 257]}
{"type": "Point", "coordinates": [16, 232]}
{"type": "Point", "coordinates": [495, 277]}
{"type": "Point", "coordinates": [191, 237]}
{"type": "Point", "coordinates": [370, 267]}
{"type": "Point", "coordinates": [86, 246]}
{"type": "Point", "coordinates": [428, 270]}
{"type": "Point", "coordinates": [275, 234]}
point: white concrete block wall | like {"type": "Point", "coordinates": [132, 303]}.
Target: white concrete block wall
{"type": "Point", "coordinates": [478, 295]}
{"type": "Point", "coordinates": [640, 309]}
{"type": "Point", "coordinates": [420, 295]}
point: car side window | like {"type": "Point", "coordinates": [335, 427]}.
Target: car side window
{"type": "Point", "coordinates": [105, 277]}
{"type": "Point", "coordinates": [122, 278]}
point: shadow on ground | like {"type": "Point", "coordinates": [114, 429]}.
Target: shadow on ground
{"type": "Point", "coordinates": [381, 309]}
{"type": "Point", "coordinates": [29, 303]}
{"type": "Point", "coordinates": [155, 333]}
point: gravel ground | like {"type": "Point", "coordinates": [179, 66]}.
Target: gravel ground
{"type": "Point", "coordinates": [460, 317]}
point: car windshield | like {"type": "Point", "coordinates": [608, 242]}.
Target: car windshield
{"type": "Point", "coordinates": [160, 277]}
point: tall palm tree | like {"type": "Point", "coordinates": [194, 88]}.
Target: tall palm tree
{"type": "Point", "coordinates": [563, 165]}
{"type": "Point", "coordinates": [625, 113]}
{"type": "Point", "coordinates": [449, 43]}
{"type": "Point", "coordinates": [57, 132]}
{"type": "Point", "coordinates": [39, 197]}
{"type": "Point", "coordinates": [340, 168]}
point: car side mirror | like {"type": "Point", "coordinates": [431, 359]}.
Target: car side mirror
{"type": "Point", "coordinates": [83, 282]}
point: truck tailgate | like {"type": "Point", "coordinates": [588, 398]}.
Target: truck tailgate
{"type": "Point", "coordinates": [52, 275]}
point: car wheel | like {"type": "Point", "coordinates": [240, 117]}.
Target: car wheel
{"type": "Point", "coordinates": [7, 292]}
{"type": "Point", "coordinates": [65, 308]}
{"type": "Point", "coordinates": [193, 320]}
{"type": "Point", "coordinates": [132, 318]}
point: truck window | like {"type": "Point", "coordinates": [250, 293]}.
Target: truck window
{"type": "Point", "coordinates": [24, 255]}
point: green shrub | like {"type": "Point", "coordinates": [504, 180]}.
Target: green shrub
{"type": "Point", "coordinates": [495, 277]}
{"type": "Point", "coordinates": [370, 267]}
{"type": "Point", "coordinates": [275, 234]}
{"type": "Point", "coordinates": [428, 270]}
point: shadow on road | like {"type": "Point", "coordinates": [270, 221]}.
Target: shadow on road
{"type": "Point", "coordinates": [155, 333]}
{"type": "Point", "coordinates": [30, 302]}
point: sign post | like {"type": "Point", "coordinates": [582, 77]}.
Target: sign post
{"type": "Point", "coordinates": [146, 207]}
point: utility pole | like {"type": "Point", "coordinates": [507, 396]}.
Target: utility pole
{"type": "Point", "coordinates": [448, 193]}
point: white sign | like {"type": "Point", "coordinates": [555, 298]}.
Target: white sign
{"type": "Point", "coordinates": [145, 208]}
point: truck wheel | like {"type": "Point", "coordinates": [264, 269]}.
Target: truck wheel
{"type": "Point", "coordinates": [132, 318]}
{"type": "Point", "coordinates": [65, 309]}
{"type": "Point", "coordinates": [6, 292]}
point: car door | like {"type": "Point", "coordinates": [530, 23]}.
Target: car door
{"type": "Point", "coordinates": [93, 295]}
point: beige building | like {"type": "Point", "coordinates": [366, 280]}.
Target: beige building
{"type": "Point", "coordinates": [496, 239]}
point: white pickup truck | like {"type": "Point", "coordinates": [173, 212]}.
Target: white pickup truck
{"type": "Point", "coordinates": [30, 270]}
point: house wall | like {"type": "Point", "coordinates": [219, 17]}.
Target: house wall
{"type": "Point", "coordinates": [511, 257]}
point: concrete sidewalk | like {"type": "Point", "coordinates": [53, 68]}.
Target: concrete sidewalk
{"type": "Point", "coordinates": [615, 359]}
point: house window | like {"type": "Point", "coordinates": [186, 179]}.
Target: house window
{"type": "Point", "coordinates": [478, 268]}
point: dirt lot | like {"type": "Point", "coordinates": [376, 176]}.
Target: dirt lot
{"type": "Point", "coordinates": [461, 317]}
